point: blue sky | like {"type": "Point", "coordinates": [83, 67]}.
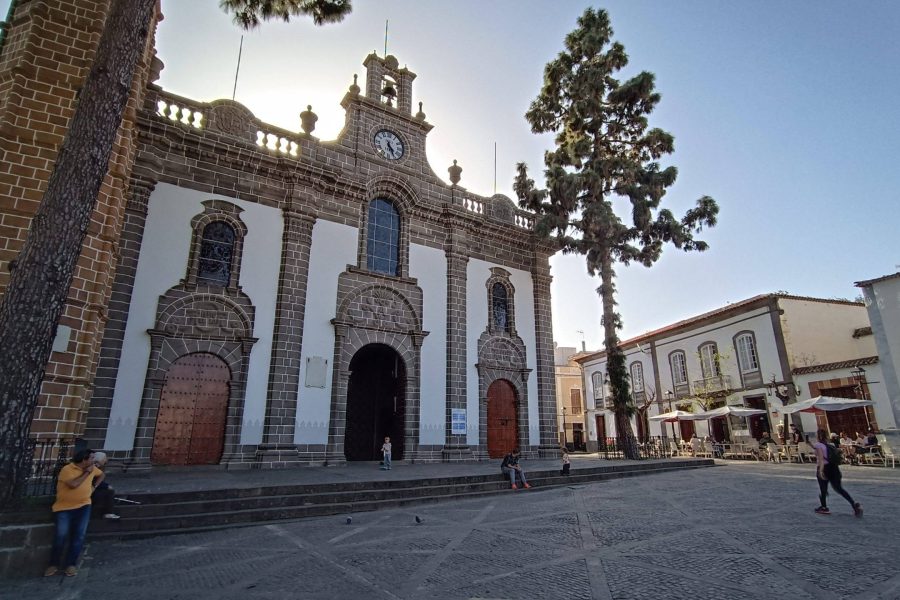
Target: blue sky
{"type": "Point", "coordinates": [785, 112]}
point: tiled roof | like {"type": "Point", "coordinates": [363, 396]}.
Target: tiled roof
{"type": "Point", "coordinates": [844, 364]}
{"type": "Point", "coordinates": [869, 282]}
{"type": "Point", "coordinates": [733, 307]}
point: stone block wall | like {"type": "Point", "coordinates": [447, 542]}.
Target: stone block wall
{"type": "Point", "coordinates": [46, 56]}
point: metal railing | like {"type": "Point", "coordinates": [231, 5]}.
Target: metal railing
{"type": "Point", "coordinates": [651, 447]}
{"type": "Point", "coordinates": [48, 457]}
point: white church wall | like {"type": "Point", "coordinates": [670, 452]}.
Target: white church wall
{"type": "Point", "coordinates": [429, 267]}
{"type": "Point", "coordinates": [525, 327]}
{"type": "Point", "coordinates": [161, 265]}
{"type": "Point", "coordinates": [333, 248]}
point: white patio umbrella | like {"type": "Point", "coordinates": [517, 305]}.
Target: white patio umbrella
{"type": "Point", "coordinates": [724, 411]}
{"type": "Point", "coordinates": [672, 416]}
{"type": "Point", "coordinates": [827, 403]}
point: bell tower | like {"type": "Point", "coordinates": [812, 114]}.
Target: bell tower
{"type": "Point", "coordinates": [387, 83]}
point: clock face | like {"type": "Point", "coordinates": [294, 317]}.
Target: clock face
{"type": "Point", "coordinates": [388, 145]}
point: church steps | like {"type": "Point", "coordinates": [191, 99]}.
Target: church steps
{"type": "Point", "coordinates": [183, 512]}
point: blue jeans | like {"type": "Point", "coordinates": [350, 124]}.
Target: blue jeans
{"type": "Point", "coordinates": [70, 524]}
{"type": "Point", "coordinates": [387, 460]}
{"type": "Point", "coordinates": [511, 473]}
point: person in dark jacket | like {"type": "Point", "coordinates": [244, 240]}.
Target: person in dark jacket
{"type": "Point", "coordinates": [511, 468]}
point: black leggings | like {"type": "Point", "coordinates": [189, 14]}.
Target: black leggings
{"type": "Point", "coordinates": [833, 476]}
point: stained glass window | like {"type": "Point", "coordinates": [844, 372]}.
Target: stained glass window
{"type": "Point", "coordinates": [216, 252]}
{"type": "Point", "coordinates": [383, 239]}
{"type": "Point", "coordinates": [500, 304]}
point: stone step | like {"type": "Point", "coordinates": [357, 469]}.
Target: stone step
{"type": "Point", "coordinates": [183, 512]}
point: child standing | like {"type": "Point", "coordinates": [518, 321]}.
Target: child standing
{"type": "Point", "coordinates": [566, 463]}
{"type": "Point", "coordinates": [386, 453]}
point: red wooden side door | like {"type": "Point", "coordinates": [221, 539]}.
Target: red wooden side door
{"type": "Point", "coordinates": [190, 426]}
{"type": "Point", "coordinates": [502, 422]}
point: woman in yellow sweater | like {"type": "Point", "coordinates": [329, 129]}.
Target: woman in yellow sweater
{"type": "Point", "coordinates": [72, 510]}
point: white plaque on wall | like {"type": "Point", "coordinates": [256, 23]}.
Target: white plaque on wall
{"type": "Point", "coordinates": [458, 421]}
{"type": "Point", "coordinates": [316, 370]}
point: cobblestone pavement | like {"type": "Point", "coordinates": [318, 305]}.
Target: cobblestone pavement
{"type": "Point", "coordinates": [745, 530]}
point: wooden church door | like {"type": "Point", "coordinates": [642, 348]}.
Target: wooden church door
{"type": "Point", "coordinates": [502, 422]}
{"type": "Point", "coordinates": [190, 426]}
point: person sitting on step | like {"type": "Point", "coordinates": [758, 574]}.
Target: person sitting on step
{"type": "Point", "coordinates": [511, 468]}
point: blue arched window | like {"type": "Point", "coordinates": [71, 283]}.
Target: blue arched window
{"type": "Point", "coordinates": [500, 305]}
{"type": "Point", "coordinates": [216, 254]}
{"type": "Point", "coordinates": [383, 238]}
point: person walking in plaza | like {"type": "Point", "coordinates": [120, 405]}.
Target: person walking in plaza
{"type": "Point", "coordinates": [72, 510]}
{"type": "Point", "coordinates": [510, 468]}
{"type": "Point", "coordinates": [386, 454]}
{"type": "Point", "coordinates": [828, 458]}
{"type": "Point", "coordinates": [103, 498]}
{"type": "Point", "coordinates": [566, 462]}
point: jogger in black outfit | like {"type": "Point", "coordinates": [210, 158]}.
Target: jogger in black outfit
{"type": "Point", "coordinates": [828, 471]}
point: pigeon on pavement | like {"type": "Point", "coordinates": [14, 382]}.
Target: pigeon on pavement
{"type": "Point", "coordinates": [419, 520]}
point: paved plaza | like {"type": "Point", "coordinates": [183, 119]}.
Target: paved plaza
{"type": "Point", "coordinates": [742, 530]}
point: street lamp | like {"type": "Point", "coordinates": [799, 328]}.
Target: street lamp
{"type": "Point", "coordinates": [565, 436]}
{"type": "Point", "coordinates": [859, 374]}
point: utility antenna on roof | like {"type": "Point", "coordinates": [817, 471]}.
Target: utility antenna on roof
{"type": "Point", "coordinates": [238, 70]}
{"type": "Point", "coordinates": [385, 36]}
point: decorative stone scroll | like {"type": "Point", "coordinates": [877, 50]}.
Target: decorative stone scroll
{"type": "Point", "coordinates": [232, 118]}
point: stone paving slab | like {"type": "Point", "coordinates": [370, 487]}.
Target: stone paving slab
{"type": "Point", "coordinates": [740, 531]}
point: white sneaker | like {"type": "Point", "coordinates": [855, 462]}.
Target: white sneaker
{"type": "Point", "coordinates": [111, 516]}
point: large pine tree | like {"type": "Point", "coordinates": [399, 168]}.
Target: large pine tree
{"type": "Point", "coordinates": [606, 156]}
{"type": "Point", "coordinates": [42, 273]}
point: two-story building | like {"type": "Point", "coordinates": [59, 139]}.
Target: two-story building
{"type": "Point", "coordinates": [569, 398]}
{"type": "Point", "coordinates": [759, 353]}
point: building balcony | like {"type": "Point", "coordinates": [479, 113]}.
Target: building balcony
{"type": "Point", "coordinates": [718, 384]}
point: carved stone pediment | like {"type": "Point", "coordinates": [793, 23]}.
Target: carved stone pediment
{"type": "Point", "coordinates": [205, 316]}
{"type": "Point", "coordinates": [377, 307]}
{"type": "Point", "coordinates": [501, 352]}
{"type": "Point", "coordinates": [232, 118]}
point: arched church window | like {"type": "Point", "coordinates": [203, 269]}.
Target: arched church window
{"type": "Point", "coordinates": [216, 254]}
{"type": "Point", "coordinates": [383, 238]}
{"type": "Point", "coordinates": [500, 306]}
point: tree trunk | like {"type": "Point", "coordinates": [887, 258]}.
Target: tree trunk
{"type": "Point", "coordinates": [615, 361]}
{"type": "Point", "coordinates": [41, 274]}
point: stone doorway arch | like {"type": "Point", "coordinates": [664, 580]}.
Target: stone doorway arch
{"type": "Point", "coordinates": [376, 403]}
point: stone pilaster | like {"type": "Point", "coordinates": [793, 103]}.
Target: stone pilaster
{"type": "Point", "coordinates": [546, 381]}
{"type": "Point", "coordinates": [278, 448]}
{"type": "Point", "coordinates": [117, 312]}
{"type": "Point", "coordinates": [456, 447]}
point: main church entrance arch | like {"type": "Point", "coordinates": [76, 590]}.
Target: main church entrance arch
{"type": "Point", "coordinates": [376, 403]}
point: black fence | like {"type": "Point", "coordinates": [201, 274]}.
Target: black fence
{"type": "Point", "coordinates": [652, 447]}
{"type": "Point", "coordinates": [48, 458]}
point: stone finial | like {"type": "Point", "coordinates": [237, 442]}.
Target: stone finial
{"type": "Point", "coordinates": [420, 116]}
{"type": "Point", "coordinates": [354, 89]}
{"type": "Point", "coordinates": [308, 120]}
{"type": "Point", "coordinates": [454, 171]}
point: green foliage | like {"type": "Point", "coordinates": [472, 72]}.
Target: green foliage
{"type": "Point", "coordinates": [249, 13]}
{"type": "Point", "coordinates": [605, 153]}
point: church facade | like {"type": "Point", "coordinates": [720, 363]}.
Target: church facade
{"type": "Point", "coordinates": [280, 299]}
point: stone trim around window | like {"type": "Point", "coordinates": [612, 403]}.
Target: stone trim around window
{"type": "Point", "coordinates": [398, 192]}
{"type": "Point", "coordinates": [501, 276]}
{"type": "Point", "coordinates": [216, 210]}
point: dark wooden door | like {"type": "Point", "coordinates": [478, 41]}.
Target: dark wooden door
{"type": "Point", "coordinates": [600, 422]}
{"type": "Point", "coordinates": [687, 429]}
{"type": "Point", "coordinates": [190, 426]}
{"type": "Point", "coordinates": [719, 429]}
{"type": "Point", "coordinates": [502, 422]}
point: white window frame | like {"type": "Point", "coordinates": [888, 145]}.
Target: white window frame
{"type": "Point", "coordinates": [597, 384]}
{"type": "Point", "coordinates": [637, 377]}
{"type": "Point", "coordinates": [709, 366]}
{"type": "Point", "coordinates": [747, 353]}
{"type": "Point", "coordinates": [678, 356]}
